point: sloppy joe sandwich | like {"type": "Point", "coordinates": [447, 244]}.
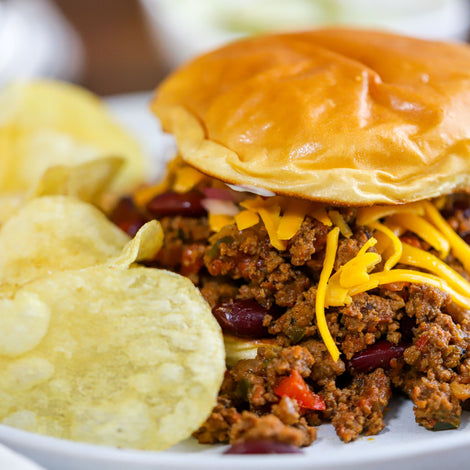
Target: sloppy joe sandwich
{"type": "Point", "coordinates": [319, 202]}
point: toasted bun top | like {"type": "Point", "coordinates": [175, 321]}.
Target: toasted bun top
{"type": "Point", "coordinates": [341, 116]}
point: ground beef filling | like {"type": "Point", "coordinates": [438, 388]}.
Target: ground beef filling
{"type": "Point", "coordinates": [431, 335]}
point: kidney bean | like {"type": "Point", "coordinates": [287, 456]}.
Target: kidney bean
{"type": "Point", "coordinates": [406, 328]}
{"type": "Point", "coordinates": [378, 355]}
{"type": "Point", "coordinates": [127, 217]}
{"type": "Point", "coordinates": [262, 446]}
{"type": "Point", "coordinates": [171, 204]}
{"type": "Point", "coordinates": [241, 318]}
{"type": "Point", "coordinates": [463, 206]}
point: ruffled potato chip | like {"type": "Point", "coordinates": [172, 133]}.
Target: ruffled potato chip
{"type": "Point", "coordinates": [94, 348]}
{"type": "Point", "coordinates": [87, 181]}
{"type": "Point", "coordinates": [45, 124]}
{"type": "Point", "coordinates": [144, 246]}
{"type": "Point", "coordinates": [136, 362]}
{"type": "Point", "coordinates": [9, 205]}
{"type": "Point", "coordinates": [53, 233]}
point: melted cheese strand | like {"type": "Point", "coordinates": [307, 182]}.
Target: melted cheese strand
{"type": "Point", "coordinates": [368, 244]}
{"type": "Point", "coordinates": [319, 213]}
{"type": "Point", "coordinates": [218, 221]}
{"type": "Point", "coordinates": [383, 244]}
{"type": "Point", "coordinates": [396, 243]}
{"type": "Point", "coordinates": [336, 294]}
{"type": "Point", "coordinates": [246, 219]}
{"type": "Point", "coordinates": [356, 271]}
{"type": "Point", "coordinates": [292, 218]}
{"type": "Point", "coordinates": [270, 213]}
{"type": "Point", "coordinates": [459, 248]}
{"type": "Point", "coordinates": [414, 277]}
{"type": "Point", "coordinates": [331, 248]}
{"type": "Point", "coordinates": [366, 215]}
{"type": "Point", "coordinates": [186, 178]}
{"type": "Point", "coordinates": [422, 228]}
{"type": "Point", "coordinates": [270, 217]}
{"type": "Point", "coordinates": [422, 259]}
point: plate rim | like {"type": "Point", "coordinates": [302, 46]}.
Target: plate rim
{"type": "Point", "coordinates": [213, 459]}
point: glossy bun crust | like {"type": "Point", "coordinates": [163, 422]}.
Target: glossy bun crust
{"type": "Point", "coordinates": [341, 116]}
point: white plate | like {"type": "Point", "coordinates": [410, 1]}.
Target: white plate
{"type": "Point", "coordinates": [402, 445]}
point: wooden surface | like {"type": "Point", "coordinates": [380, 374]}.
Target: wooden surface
{"type": "Point", "coordinates": [120, 56]}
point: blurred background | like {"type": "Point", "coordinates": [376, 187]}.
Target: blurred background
{"type": "Point", "coordinates": [123, 46]}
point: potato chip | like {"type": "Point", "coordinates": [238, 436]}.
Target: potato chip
{"type": "Point", "coordinates": [54, 233]}
{"type": "Point", "coordinates": [9, 205]}
{"type": "Point", "coordinates": [46, 123]}
{"type": "Point", "coordinates": [23, 323]}
{"type": "Point", "coordinates": [86, 181]}
{"type": "Point", "coordinates": [137, 362]}
{"type": "Point", "coordinates": [144, 246]}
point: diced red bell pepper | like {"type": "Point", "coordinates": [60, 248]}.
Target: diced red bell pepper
{"type": "Point", "coordinates": [421, 342]}
{"type": "Point", "coordinates": [295, 387]}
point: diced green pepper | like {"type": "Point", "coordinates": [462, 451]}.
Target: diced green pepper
{"type": "Point", "coordinates": [444, 426]}
{"type": "Point", "coordinates": [214, 249]}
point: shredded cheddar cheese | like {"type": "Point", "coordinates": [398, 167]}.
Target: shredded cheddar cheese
{"type": "Point", "coordinates": [271, 218]}
{"type": "Point", "coordinates": [318, 212]}
{"type": "Point", "coordinates": [416, 224]}
{"type": "Point", "coordinates": [415, 277]}
{"type": "Point", "coordinates": [270, 212]}
{"type": "Point", "coordinates": [384, 246]}
{"type": "Point", "coordinates": [412, 256]}
{"type": "Point", "coordinates": [336, 294]}
{"type": "Point", "coordinates": [366, 215]}
{"type": "Point", "coordinates": [396, 244]}
{"type": "Point", "coordinates": [459, 248]}
{"type": "Point", "coordinates": [186, 178]}
{"type": "Point", "coordinates": [331, 248]}
{"type": "Point", "coordinates": [283, 217]}
{"type": "Point", "coordinates": [292, 218]}
{"type": "Point", "coordinates": [368, 244]}
{"type": "Point", "coordinates": [253, 204]}
{"type": "Point", "coordinates": [355, 276]}
{"type": "Point", "coordinates": [218, 221]}
{"type": "Point", "coordinates": [354, 272]}
{"type": "Point", "coordinates": [246, 219]}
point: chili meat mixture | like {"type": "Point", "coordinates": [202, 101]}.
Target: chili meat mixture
{"type": "Point", "coordinates": [397, 338]}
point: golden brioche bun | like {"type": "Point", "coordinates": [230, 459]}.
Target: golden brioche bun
{"type": "Point", "coordinates": [341, 116]}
